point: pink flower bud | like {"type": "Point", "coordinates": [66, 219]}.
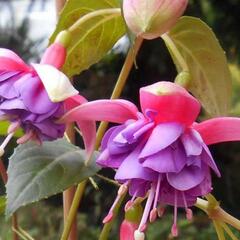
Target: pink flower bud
{"type": "Point", "coordinates": [127, 230]}
{"type": "Point", "coordinates": [150, 19]}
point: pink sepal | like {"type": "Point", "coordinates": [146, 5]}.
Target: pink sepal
{"type": "Point", "coordinates": [54, 55]}
{"type": "Point", "coordinates": [222, 129]}
{"type": "Point", "coordinates": [10, 61]}
{"type": "Point", "coordinates": [171, 102]}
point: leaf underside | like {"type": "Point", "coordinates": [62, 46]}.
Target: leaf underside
{"type": "Point", "coordinates": [37, 172]}
{"type": "Point", "coordinates": [207, 63]}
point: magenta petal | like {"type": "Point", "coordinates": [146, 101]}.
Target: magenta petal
{"type": "Point", "coordinates": [132, 169]}
{"type": "Point", "coordinates": [222, 129]}
{"type": "Point", "coordinates": [188, 178]}
{"type": "Point", "coordinates": [87, 128]}
{"type": "Point", "coordinates": [10, 61]}
{"type": "Point", "coordinates": [117, 111]}
{"type": "Point", "coordinates": [172, 103]}
{"type": "Point", "coordinates": [162, 136]}
{"type": "Point", "coordinates": [73, 102]}
{"type": "Point", "coordinates": [191, 143]}
{"type": "Point", "coordinates": [167, 160]}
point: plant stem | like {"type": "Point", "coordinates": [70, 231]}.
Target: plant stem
{"type": "Point", "coordinates": [219, 230]}
{"type": "Point", "coordinates": [88, 16]}
{"type": "Point", "coordinates": [68, 195]}
{"type": "Point", "coordinates": [171, 45]}
{"type": "Point", "coordinates": [14, 217]}
{"type": "Point", "coordinates": [107, 227]}
{"type": "Point", "coordinates": [128, 64]}
{"type": "Point", "coordinates": [220, 214]}
{"type": "Point", "coordinates": [73, 210]}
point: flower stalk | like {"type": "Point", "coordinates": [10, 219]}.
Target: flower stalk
{"type": "Point", "coordinates": [220, 217]}
{"type": "Point", "coordinates": [128, 64]}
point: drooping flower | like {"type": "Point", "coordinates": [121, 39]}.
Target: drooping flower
{"type": "Point", "coordinates": [162, 152]}
{"type": "Point", "coordinates": [150, 19]}
{"type": "Point", "coordinates": [35, 96]}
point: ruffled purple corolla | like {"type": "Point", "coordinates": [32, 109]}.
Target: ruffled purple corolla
{"type": "Point", "coordinates": [32, 97]}
{"type": "Point", "coordinates": [161, 153]}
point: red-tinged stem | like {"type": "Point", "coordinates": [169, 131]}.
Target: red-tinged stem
{"type": "Point", "coordinates": [68, 195]}
{"type": "Point", "coordinates": [4, 176]}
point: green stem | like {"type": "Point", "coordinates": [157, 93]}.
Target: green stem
{"type": "Point", "coordinates": [128, 64]}
{"type": "Point", "coordinates": [73, 210]}
{"type": "Point", "coordinates": [4, 176]}
{"type": "Point", "coordinates": [228, 231]}
{"type": "Point", "coordinates": [171, 45]}
{"type": "Point", "coordinates": [220, 214]}
{"type": "Point", "coordinates": [96, 13]}
{"type": "Point", "coordinates": [219, 230]}
{"type": "Point", "coordinates": [108, 226]}
{"type": "Point", "coordinates": [215, 212]}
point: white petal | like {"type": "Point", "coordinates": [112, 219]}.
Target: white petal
{"type": "Point", "coordinates": [56, 83]}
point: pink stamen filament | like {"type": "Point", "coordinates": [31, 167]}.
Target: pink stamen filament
{"type": "Point", "coordinates": [26, 137]}
{"type": "Point", "coordinates": [147, 208]}
{"type": "Point", "coordinates": [157, 191]}
{"type": "Point", "coordinates": [154, 211]}
{"type": "Point", "coordinates": [121, 191]}
{"type": "Point", "coordinates": [188, 210]}
{"type": "Point", "coordinates": [174, 229]}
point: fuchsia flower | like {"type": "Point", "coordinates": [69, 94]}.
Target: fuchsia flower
{"type": "Point", "coordinates": [150, 19]}
{"type": "Point", "coordinates": [35, 96]}
{"type": "Point", "coordinates": [162, 152]}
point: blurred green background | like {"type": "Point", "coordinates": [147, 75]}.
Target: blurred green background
{"type": "Point", "coordinates": [44, 220]}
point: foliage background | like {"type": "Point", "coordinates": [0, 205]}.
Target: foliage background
{"type": "Point", "coordinates": [44, 220]}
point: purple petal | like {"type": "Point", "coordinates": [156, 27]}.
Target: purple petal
{"type": "Point", "coordinates": [7, 88]}
{"type": "Point", "coordinates": [167, 196]}
{"type": "Point", "coordinates": [106, 137]}
{"type": "Point", "coordinates": [132, 169]}
{"type": "Point", "coordinates": [162, 136]}
{"type": "Point", "coordinates": [191, 143]}
{"type": "Point", "coordinates": [5, 75]}
{"type": "Point", "coordinates": [116, 148]}
{"type": "Point", "coordinates": [188, 178]}
{"type": "Point", "coordinates": [139, 188]}
{"type": "Point", "coordinates": [15, 103]}
{"type": "Point", "coordinates": [34, 95]}
{"type": "Point", "coordinates": [208, 159]}
{"type": "Point", "coordinates": [203, 188]}
{"type": "Point", "coordinates": [167, 160]}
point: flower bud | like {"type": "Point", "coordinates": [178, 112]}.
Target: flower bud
{"type": "Point", "coordinates": [130, 224]}
{"type": "Point", "coordinates": [150, 19]}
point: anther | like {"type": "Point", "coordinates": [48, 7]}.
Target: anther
{"type": "Point", "coordinates": [139, 235]}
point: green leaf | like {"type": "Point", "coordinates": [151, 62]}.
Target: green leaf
{"type": "Point", "coordinates": [93, 38]}
{"type": "Point", "coordinates": [2, 204]}
{"type": "Point", "coordinates": [37, 172]}
{"type": "Point", "coordinates": [206, 62]}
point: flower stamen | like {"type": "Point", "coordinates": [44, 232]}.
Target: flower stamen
{"type": "Point", "coordinates": [174, 229]}
{"type": "Point", "coordinates": [154, 211]}
{"type": "Point", "coordinates": [121, 191]}
{"type": "Point", "coordinates": [189, 214]}
{"type": "Point", "coordinates": [143, 225]}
